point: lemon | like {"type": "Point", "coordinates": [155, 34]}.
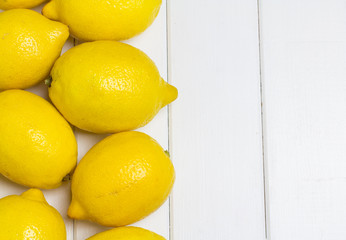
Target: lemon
{"type": "Point", "coordinates": [91, 20]}
{"type": "Point", "coordinates": [108, 87]}
{"type": "Point", "coordinates": [29, 46]}
{"type": "Point", "coordinates": [127, 233]}
{"type": "Point", "coordinates": [29, 217]}
{"type": "Point", "coordinates": [10, 4]}
{"type": "Point", "coordinates": [37, 145]}
{"type": "Point", "coordinates": [121, 180]}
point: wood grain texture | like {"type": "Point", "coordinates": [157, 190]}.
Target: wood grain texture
{"type": "Point", "coordinates": [216, 122]}
{"type": "Point", "coordinates": [214, 129]}
{"type": "Point", "coordinates": [304, 59]}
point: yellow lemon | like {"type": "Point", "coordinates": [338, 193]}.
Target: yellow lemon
{"type": "Point", "coordinates": [10, 4]}
{"type": "Point", "coordinates": [91, 20]}
{"type": "Point", "coordinates": [29, 46]}
{"type": "Point", "coordinates": [108, 87]}
{"type": "Point", "coordinates": [37, 145]}
{"type": "Point", "coordinates": [121, 180]}
{"type": "Point", "coordinates": [29, 216]}
{"type": "Point", "coordinates": [127, 233]}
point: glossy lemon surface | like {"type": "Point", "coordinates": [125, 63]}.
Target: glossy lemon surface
{"type": "Point", "coordinates": [11, 4]}
{"type": "Point", "coordinates": [108, 87]}
{"type": "Point", "coordinates": [29, 217]}
{"type": "Point", "coordinates": [37, 145]}
{"type": "Point", "coordinates": [91, 20]}
{"type": "Point", "coordinates": [29, 46]}
{"type": "Point", "coordinates": [127, 233]}
{"type": "Point", "coordinates": [121, 180]}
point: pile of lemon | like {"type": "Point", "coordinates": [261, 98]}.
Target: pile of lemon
{"type": "Point", "coordinates": [100, 86]}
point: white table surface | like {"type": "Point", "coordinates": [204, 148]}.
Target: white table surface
{"type": "Point", "coordinates": [258, 133]}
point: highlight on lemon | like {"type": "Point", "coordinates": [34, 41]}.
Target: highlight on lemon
{"type": "Point", "coordinates": [121, 180]}
{"type": "Point", "coordinates": [29, 46]}
{"type": "Point", "coordinates": [37, 145]}
{"type": "Point", "coordinates": [127, 233]}
{"type": "Point", "coordinates": [108, 87]}
{"type": "Point", "coordinates": [29, 216]}
{"type": "Point", "coordinates": [91, 20]}
{"type": "Point", "coordinates": [12, 4]}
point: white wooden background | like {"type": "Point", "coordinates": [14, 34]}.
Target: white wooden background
{"type": "Point", "coordinates": [258, 134]}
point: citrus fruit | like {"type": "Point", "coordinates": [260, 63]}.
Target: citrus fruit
{"type": "Point", "coordinates": [37, 145]}
{"type": "Point", "coordinates": [30, 217]}
{"type": "Point", "coordinates": [11, 4]}
{"type": "Point", "coordinates": [127, 233]}
{"type": "Point", "coordinates": [121, 180]}
{"type": "Point", "coordinates": [91, 20]}
{"type": "Point", "coordinates": [29, 46]}
{"type": "Point", "coordinates": [108, 87]}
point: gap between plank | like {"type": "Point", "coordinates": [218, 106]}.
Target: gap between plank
{"type": "Point", "coordinates": [169, 115]}
{"type": "Point", "coordinates": [264, 161]}
{"type": "Point", "coordinates": [75, 134]}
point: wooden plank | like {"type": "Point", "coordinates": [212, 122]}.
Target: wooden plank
{"type": "Point", "coordinates": [304, 59]}
{"type": "Point", "coordinates": [216, 122]}
{"type": "Point", "coordinates": [154, 43]}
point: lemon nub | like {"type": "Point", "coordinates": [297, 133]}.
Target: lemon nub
{"type": "Point", "coordinates": [50, 10]}
{"type": "Point", "coordinates": [75, 211]}
{"type": "Point", "coordinates": [170, 93]}
{"type": "Point", "coordinates": [34, 194]}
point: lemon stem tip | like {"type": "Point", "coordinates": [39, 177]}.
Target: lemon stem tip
{"type": "Point", "coordinates": [67, 178]}
{"type": "Point", "coordinates": [34, 194]}
{"type": "Point", "coordinates": [75, 211]}
{"type": "Point", "coordinates": [170, 94]}
{"type": "Point", "coordinates": [48, 81]}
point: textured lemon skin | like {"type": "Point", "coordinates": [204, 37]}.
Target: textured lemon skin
{"type": "Point", "coordinates": [29, 216]}
{"type": "Point", "coordinates": [91, 20]}
{"type": "Point", "coordinates": [37, 145]}
{"type": "Point", "coordinates": [108, 87]}
{"type": "Point", "coordinates": [11, 4]}
{"type": "Point", "coordinates": [127, 233]}
{"type": "Point", "coordinates": [29, 46]}
{"type": "Point", "coordinates": [121, 180]}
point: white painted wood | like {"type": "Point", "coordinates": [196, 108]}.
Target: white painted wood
{"type": "Point", "coordinates": [215, 125]}
{"type": "Point", "coordinates": [154, 43]}
{"type": "Point", "coordinates": [304, 76]}
{"type": "Point", "coordinates": [216, 122]}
